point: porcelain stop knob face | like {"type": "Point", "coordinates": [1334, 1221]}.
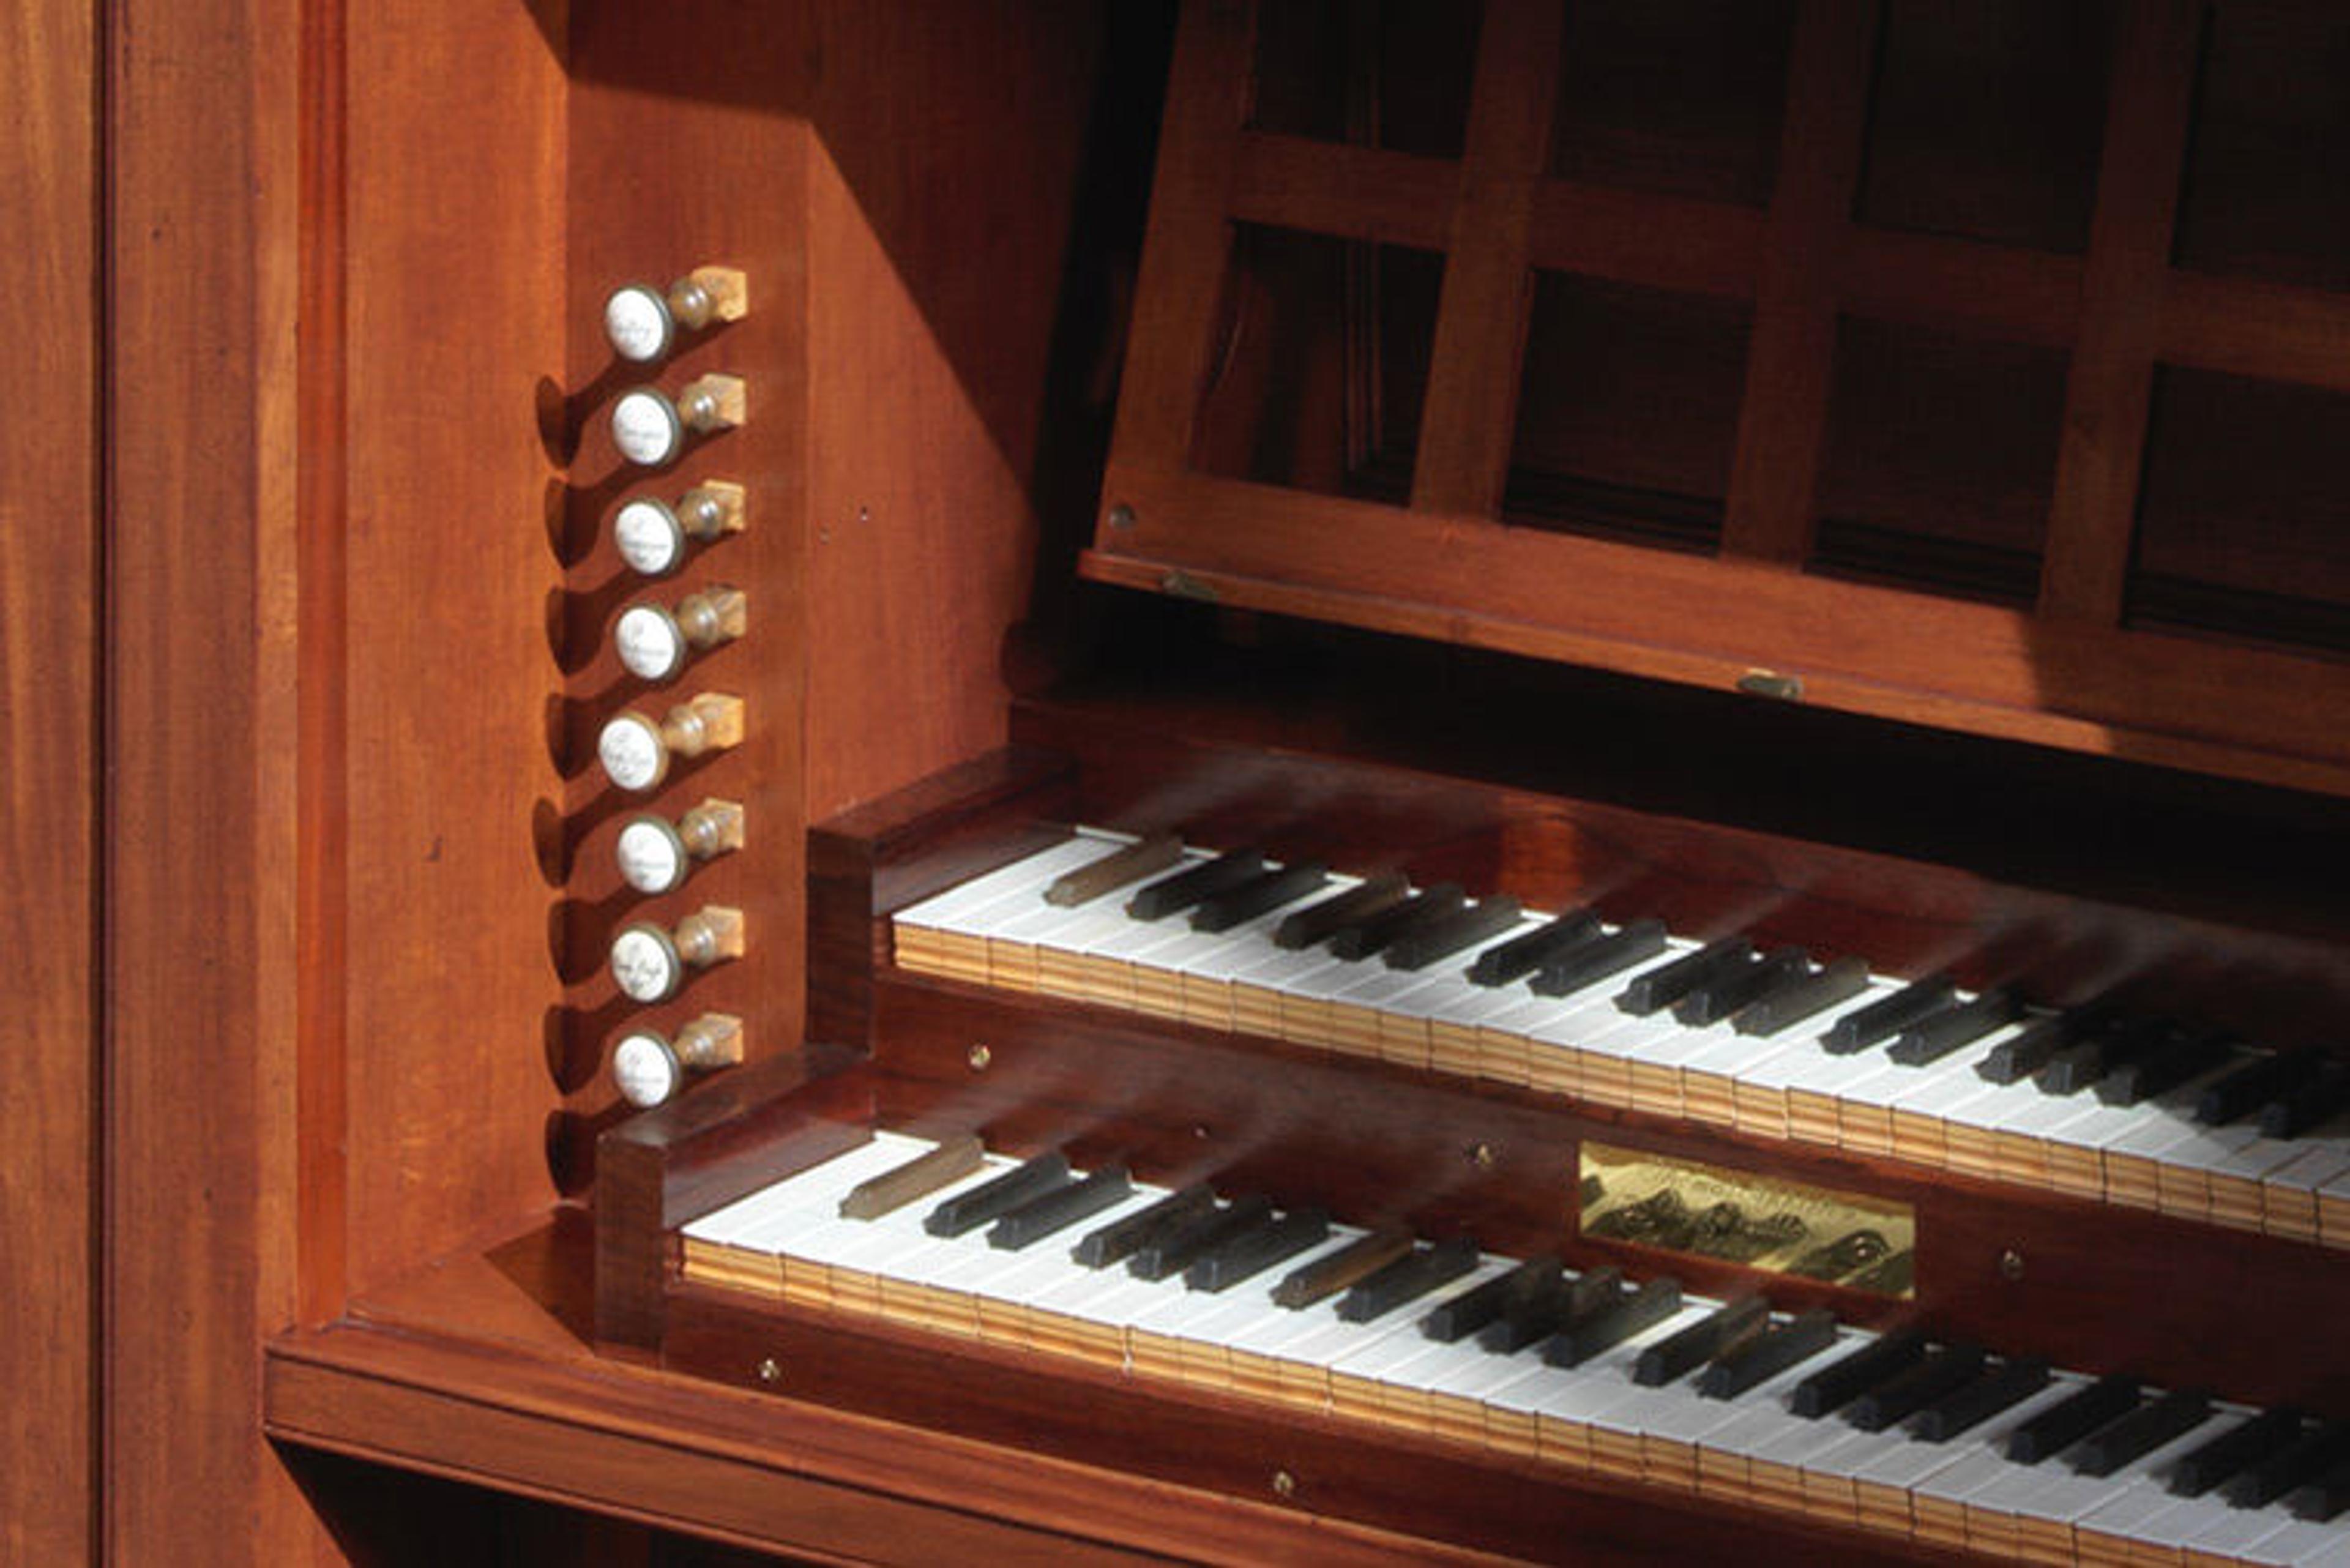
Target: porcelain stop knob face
{"type": "Point", "coordinates": [651, 537]}
{"type": "Point", "coordinates": [646, 964]}
{"type": "Point", "coordinates": [646, 1069]}
{"type": "Point", "coordinates": [632, 752]}
{"type": "Point", "coordinates": [652, 855]}
{"type": "Point", "coordinates": [647, 427]}
{"type": "Point", "coordinates": [652, 645]}
{"type": "Point", "coordinates": [638, 324]}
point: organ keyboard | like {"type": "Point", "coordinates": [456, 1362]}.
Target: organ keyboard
{"type": "Point", "coordinates": [1941, 1103]}
{"type": "Point", "coordinates": [2180, 1495]}
{"type": "Point", "coordinates": [982, 973]}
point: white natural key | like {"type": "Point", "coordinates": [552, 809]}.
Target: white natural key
{"type": "Point", "coordinates": [652, 534]}
{"type": "Point", "coordinates": [650, 1066]}
{"type": "Point", "coordinates": [635, 751]}
{"type": "Point", "coordinates": [655, 642]}
{"type": "Point", "coordinates": [649, 964]}
{"type": "Point", "coordinates": [643, 322]}
{"type": "Point", "coordinates": [650, 427]}
{"type": "Point", "coordinates": [656, 856]}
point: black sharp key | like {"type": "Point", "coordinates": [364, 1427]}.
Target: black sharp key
{"type": "Point", "coordinates": [1471, 1309]}
{"type": "Point", "coordinates": [2141, 1432]}
{"type": "Point", "coordinates": [2014, 1381]}
{"type": "Point", "coordinates": [1397, 921]}
{"type": "Point", "coordinates": [1261, 894]}
{"type": "Point", "coordinates": [2306, 1103]}
{"type": "Point", "coordinates": [1351, 1264]}
{"type": "Point", "coordinates": [2190, 1055]}
{"type": "Point", "coordinates": [1615, 1322]}
{"type": "Point", "coordinates": [1865, 1026]}
{"type": "Point", "coordinates": [2250, 1444]}
{"type": "Point", "coordinates": [2303, 1460]}
{"type": "Point", "coordinates": [1060, 1208]}
{"type": "Point", "coordinates": [1259, 1248]}
{"type": "Point", "coordinates": [1839, 981]}
{"type": "Point", "coordinates": [1890, 1275]}
{"type": "Point", "coordinates": [1660, 987]}
{"type": "Point", "coordinates": [1172, 1253]}
{"type": "Point", "coordinates": [1319, 922]}
{"type": "Point", "coordinates": [2026, 1050]}
{"type": "Point", "coordinates": [2254, 1084]}
{"type": "Point", "coordinates": [2100, 1051]}
{"type": "Point", "coordinates": [1523, 955]}
{"type": "Point", "coordinates": [2096, 1051]}
{"type": "Point", "coordinates": [1833, 1386]}
{"type": "Point", "coordinates": [1595, 961]}
{"type": "Point", "coordinates": [1678, 1355]}
{"type": "Point", "coordinates": [1769, 1354]}
{"type": "Point", "coordinates": [992, 1199]}
{"type": "Point", "coordinates": [1935, 1036]}
{"type": "Point", "coordinates": [1407, 1279]}
{"type": "Point", "coordinates": [1116, 1241]}
{"type": "Point", "coordinates": [1718, 998]}
{"type": "Point", "coordinates": [2325, 1497]}
{"type": "Point", "coordinates": [1540, 1312]}
{"type": "Point", "coordinates": [1462, 928]}
{"type": "Point", "coordinates": [1170, 893]}
{"type": "Point", "coordinates": [1902, 1396]}
{"type": "Point", "coordinates": [2067, 1421]}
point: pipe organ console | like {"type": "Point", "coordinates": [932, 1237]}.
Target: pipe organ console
{"type": "Point", "coordinates": [1656, 882]}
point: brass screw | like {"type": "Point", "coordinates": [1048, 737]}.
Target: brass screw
{"type": "Point", "coordinates": [1481, 1156]}
{"type": "Point", "coordinates": [1285, 1485]}
{"type": "Point", "coordinates": [771, 1371]}
{"type": "Point", "coordinates": [978, 1056]}
{"type": "Point", "coordinates": [1122, 516]}
{"type": "Point", "coordinates": [2011, 1264]}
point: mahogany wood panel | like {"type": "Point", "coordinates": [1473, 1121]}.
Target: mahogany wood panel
{"type": "Point", "coordinates": [678, 158]}
{"type": "Point", "coordinates": [201, 943]}
{"type": "Point", "coordinates": [949, 145]}
{"type": "Point", "coordinates": [447, 569]}
{"type": "Point", "coordinates": [2090, 522]}
{"type": "Point", "coordinates": [49, 661]}
{"type": "Point", "coordinates": [1915, 657]}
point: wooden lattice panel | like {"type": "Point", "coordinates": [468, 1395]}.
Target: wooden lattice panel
{"type": "Point", "coordinates": [2068, 637]}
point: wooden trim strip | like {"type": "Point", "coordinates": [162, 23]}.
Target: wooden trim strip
{"type": "Point", "coordinates": [2277, 332]}
{"type": "Point", "coordinates": [1469, 418]}
{"type": "Point", "coordinates": [1782, 421]}
{"type": "Point", "coordinates": [1932, 280]}
{"type": "Point", "coordinates": [1641, 237]}
{"type": "Point", "coordinates": [758, 1471]}
{"type": "Point", "coordinates": [2090, 524]}
{"type": "Point", "coordinates": [1336, 188]}
{"type": "Point", "coordinates": [1185, 248]}
{"type": "Point", "coordinates": [1899, 655]}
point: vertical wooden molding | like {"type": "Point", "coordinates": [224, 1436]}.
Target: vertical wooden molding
{"type": "Point", "coordinates": [51, 621]}
{"type": "Point", "coordinates": [202, 206]}
{"type": "Point", "coordinates": [2092, 516]}
{"type": "Point", "coordinates": [322, 509]}
{"type": "Point", "coordinates": [1189, 238]}
{"type": "Point", "coordinates": [1791, 363]}
{"type": "Point", "coordinates": [1468, 419]}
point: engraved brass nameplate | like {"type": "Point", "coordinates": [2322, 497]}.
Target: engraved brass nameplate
{"type": "Point", "coordinates": [1761, 1222]}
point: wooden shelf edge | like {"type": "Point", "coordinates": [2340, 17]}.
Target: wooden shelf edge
{"type": "Point", "coordinates": [1436, 620]}
{"type": "Point", "coordinates": [762, 1471]}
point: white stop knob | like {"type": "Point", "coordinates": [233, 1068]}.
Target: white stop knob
{"type": "Point", "coordinates": [638, 322]}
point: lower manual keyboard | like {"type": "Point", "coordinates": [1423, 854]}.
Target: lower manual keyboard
{"type": "Point", "coordinates": [789, 1242]}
